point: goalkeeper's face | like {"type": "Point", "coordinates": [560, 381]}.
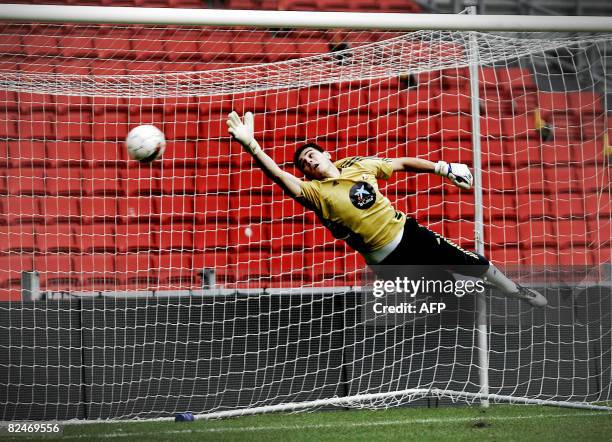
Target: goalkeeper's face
{"type": "Point", "coordinates": [316, 165]}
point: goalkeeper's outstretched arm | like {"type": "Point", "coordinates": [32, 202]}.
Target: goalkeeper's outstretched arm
{"type": "Point", "coordinates": [243, 132]}
{"type": "Point", "coordinates": [458, 173]}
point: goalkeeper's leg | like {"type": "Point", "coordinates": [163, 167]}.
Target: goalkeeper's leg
{"type": "Point", "coordinates": [421, 246]}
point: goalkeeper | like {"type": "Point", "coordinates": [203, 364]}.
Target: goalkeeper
{"type": "Point", "coordinates": [345, 197]}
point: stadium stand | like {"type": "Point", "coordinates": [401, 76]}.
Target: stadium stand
{"type": "Point", "coordinates": [75, 211]}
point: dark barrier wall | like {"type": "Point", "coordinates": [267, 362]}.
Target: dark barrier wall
{"type": "Point", "coordinates": [147, 357]}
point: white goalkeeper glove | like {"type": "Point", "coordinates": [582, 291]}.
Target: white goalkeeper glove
{"type": "Point", "coordinates": [243, 132]}
{"type": "Point", "coordinates": [458, 173]}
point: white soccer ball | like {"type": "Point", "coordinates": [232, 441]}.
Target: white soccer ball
{"type": "Point", "coordinates": [145, 143]}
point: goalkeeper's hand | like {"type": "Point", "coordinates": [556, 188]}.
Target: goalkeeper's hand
{"type": "Point", "coordinates": [458, 173]}
{"type": "Point", "coordinates": [243, 132]}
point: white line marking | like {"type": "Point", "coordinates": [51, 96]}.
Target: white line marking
{"type": "Point", "coordinates": [332, 426]}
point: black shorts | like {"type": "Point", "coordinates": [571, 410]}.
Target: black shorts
{"type": "Point", "coordinates": [422, 247]}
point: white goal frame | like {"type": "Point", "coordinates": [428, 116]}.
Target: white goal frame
{"type": "Point", "coordinates": [345, 20]}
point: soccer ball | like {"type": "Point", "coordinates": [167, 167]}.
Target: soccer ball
{"type": "Point", "coordinates": [145, 143]}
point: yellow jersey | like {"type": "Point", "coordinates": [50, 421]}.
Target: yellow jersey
{"type": "Point", "coordinates": [352, 207]}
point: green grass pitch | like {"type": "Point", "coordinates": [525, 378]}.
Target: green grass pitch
{"type": "Point", "coordinates": [498, 423]}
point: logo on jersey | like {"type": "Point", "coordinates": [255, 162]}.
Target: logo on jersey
{"type": "Point", "coordinates": [362, 195]}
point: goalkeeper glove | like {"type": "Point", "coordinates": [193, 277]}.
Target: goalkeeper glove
{"type": "Point", "coordinates": [458, 173]}
{"type": "Point", "coordinates": [243, 132]}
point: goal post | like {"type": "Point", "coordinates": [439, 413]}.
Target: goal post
{"type": "Point", "coordinates": [193, 284]}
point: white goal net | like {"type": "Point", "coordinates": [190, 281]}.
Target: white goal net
{"type": "Point", "coordinates": [193, 284]}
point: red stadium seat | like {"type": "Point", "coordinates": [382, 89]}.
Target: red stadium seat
{"type": "Point", "coordinates": [454, 103]}
{"type": "Point", "coordinates": [288, 268]}
{"type": "Point", "coordinates": [585, 103]}
{"type": "Point", "coordinates": [598, 205]}
{"type": "Point", "coordinates": [177, 237]}
{"type": "Point", "coordinates": [318, 100]}
{"type": "Point", "coordinates": [533, 206]}
{"type": "Point", "coordinates": [141, 180]}
{"type": "Point", "coordinates": [114, 45]}
{"type": "Point", "coordinates": [280, 49]}
{"type": "Point", "coordinates": [542, 256]}
{"type": "Point", "coordinates": [491, 127]}
{"type": "Point", "coordinates": [499, 206]}
{"type": "Point", "coordinates": [103, 181]}
{"type": "Point", "coordinates": [18, 210]}
{"type": "Point", "coordinates": [17, 238]}
{"type": "Point", "coordinates": [214, 180]}
{"type": "Point", "coordinates": [325, 266]}
{"type": "Point", "coordinates": [288, 210]}
{"type": "Point", "coordinates": [459, 206]}
{"type": "Point", "coordinates": [423, 99]}
{"type": "Point", "coordinates": [556, 154]}
{"type": "Point", "coordinates": [56, 239]}
{"type": "Point", "coordinates": [252, 179]}
{"type": "Point", "coordinates": [142, 209]}
{"type": "Point", "coordinates": [176, 209]}
{"type": "Point", "coordinates": [287, 125]}
{"type": "Point", "coordinates": [211, 207]}
{"type": "Point", "coordinates": [592, 179]}
{"type": "Point", "coordinates": [248, 49]}
{"type": "Point", "coordinates": [96, 238]}
{"type": "Point", "coordinates": [424, 127]}
{"type": "Point", "coordinates": [135, 269]}
{"type": "Point", "coordinates": [535, 233]}
{"type": "Point", "coordinates": [111, 126]}
{"type": "Point", "coordinates": [184, 45]}
{"type": "Point", "coordinates": [216, 47]}
{"type": "Point", "coordinates": [253, 267]}
{"type": "Point", "coordinates": [518, 79]}
{"type": "Point", "coordinates": [178, 181]}
{"type": "Point", "coordinates": [289, 236]}
{"type": "Point", "coordinates": [60, 209]}
{"type": "Point", "coordinates": [354, 126]}
{"type": "Point", "coordinates": [389, 127]}
{"type": "Point", "coordinates": [498, 179]}
{"type": "Point", "coordinates": [74, 125]}
{"type": "Point", "coordinates": [506, 256]}
{"type": "Point", "coordinates": [64, 153]}
{"type": "Point", "coordinates": [99, 153]}
{"type": "Point", "coordinates": [521, 126]}
{"type": "Point", "coordinates": [98, 209]}
{"type": "Point", "coordinates": [9, 125]}
{"type": "Point", "coordinates": [11, 267]}
{"type": "Point", "coordinates": [97, 271]}
{"type": "Point", "coordinates": [568, 206]}
{"type": "Point", "coordinates": [220, 262]}
{"type": "Point", "coordinates": [522, 152]}
{"type": "Point", "coordinates": [30, 102]}
{"type": "Point", "coordinates": [174, 268]}
{"type": "Point", "coordinates": [30, 181]}
{"type": "Point", "coordinates": [322, 128]}
{"type": "Point", "coordinates": [180, 154]}
{"type": "Point", "coordinates": [64, 181]}
{"type": "Point", "coordinates": [576, 257]}
{"type": "Point", "coordinates": [255, 236]}
{"type": "Point", "coordinates": [37, 125]}
{"type": "Point", "coordinates": [571, 233]}
{"type": "Point", "coordinates": [26, 154]}
{"type": "Point", "coordinates": [500, 233]}
{"type": "Point", "coordinates": [531, 180]}
{"type": "Point", "coordinates": [56, 272]}
{"type": "Point", "coordinates": [136, 237]}
{"type": "Point", "coordinates": [213, 235]}
{"type": "Point", "coordinates": [185, 125]}
{"type": "Point", "coordinates": [253, 208]}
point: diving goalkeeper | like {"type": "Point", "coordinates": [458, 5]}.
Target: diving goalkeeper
{"type": "Point", "coordinates": [345, 196]}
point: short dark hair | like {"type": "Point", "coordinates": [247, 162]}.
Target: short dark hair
{"type": "Point", "coordinates": [298, 152]}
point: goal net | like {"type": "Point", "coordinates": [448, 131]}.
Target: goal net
{"type": "Point", "coordinates": [193, 284]}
